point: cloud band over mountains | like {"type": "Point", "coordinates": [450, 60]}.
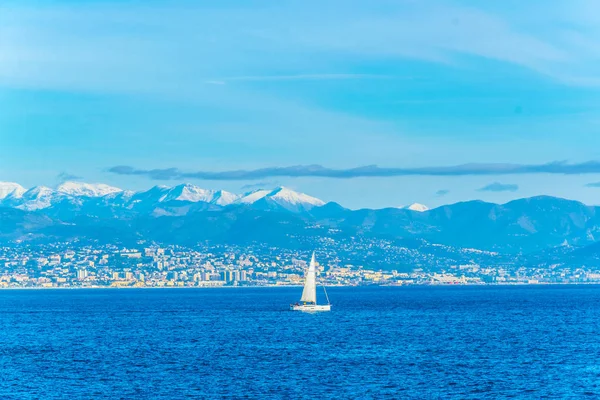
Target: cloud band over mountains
{"type": "Point", "coordinates": [500, 187]}
{"type": "Point", "coordinates": [65, 176]}
{"type": "Point", "coordinates": [299, 171]}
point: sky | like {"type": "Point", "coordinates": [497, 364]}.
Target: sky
{"type": "Point", "coordinates": [370, 104]}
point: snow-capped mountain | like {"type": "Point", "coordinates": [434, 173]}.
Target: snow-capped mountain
{"type": "Point", "coordinates": [87, 189]}
{"type": "Point", "coordinates": [7, 188]}
{"type": "Point", "coordinates": [282, 198]}
{"type": "Point", "coordinates": [155, 194]}
{"type": "Point", "coordinates": [187, 192]}
{"type": "Point", "coordinates": [194, 194]}
{"type": "Point", "coordinates": [285, 196]}
{"type": "Point", "coordinates": [36, 198]}
{"type": "Point", "coordinates": [416, 207]}
{"type": "Point", "coordinates": [101, 199]}
{"type": "Point", "coordinates": [223, 198]}
{"type": "Point", "coordinates": [253, 196]}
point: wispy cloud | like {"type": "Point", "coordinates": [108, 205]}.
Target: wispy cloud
{"type": "Point", "coordinates": [305, 77]}
{"type": "Point", "coordinates": [299, 77]}
{"type": "Point", "coordinates": [288, 43]}
{"type": "Point", "coordinates": [499, 187]}
{"type": "Point", "coordinates": [557, 167]}
{"type": "Point", "coordinates": [442, 193]}
{"type": "Point", "coordinates": [593, 185]}
{"type": "Point", "coordinates": [65, 176]}
{"type": "Point", "coordinates": [259, 185]}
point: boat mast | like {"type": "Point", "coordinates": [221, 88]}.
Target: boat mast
{"type": "Point", "coordinates": [327, 297]}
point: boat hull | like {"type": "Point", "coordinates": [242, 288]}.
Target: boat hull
{"type": "Point", "coordinates": [310, 307]}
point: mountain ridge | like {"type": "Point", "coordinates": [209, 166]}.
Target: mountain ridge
{"type": "Point", "coordinates": [216, 196]}
{"type": "Point", "coordinates": [43, 197]}
{"type": "Point", "coordinates": [519, 226]}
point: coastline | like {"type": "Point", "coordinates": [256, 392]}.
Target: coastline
{"type": "Point", "coordinates": [294, 286]}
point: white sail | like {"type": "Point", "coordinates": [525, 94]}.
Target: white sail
{"type": "Point", "coordinates": [309, 294]}
{"type": "Point", "coordinates": [308, 302]}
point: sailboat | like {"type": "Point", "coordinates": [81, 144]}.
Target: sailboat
{"type": "Point", "coordinates": [308, 302]}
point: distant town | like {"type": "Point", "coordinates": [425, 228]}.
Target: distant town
{"type": "Point", "coordinates": [71, 265]}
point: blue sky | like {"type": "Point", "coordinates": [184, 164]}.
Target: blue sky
{"type": "Point", "coordinates": [219, 86]}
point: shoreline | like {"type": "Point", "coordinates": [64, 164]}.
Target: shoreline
{"type": "Point", "coordinates": [292, 286]}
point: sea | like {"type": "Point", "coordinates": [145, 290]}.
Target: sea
{"type": "Point", "coordinates": [422, 342]}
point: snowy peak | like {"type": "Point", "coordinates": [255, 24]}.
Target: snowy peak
{"type": "Point", "coordinates": [281, 198]}
{"type": "Point", "coordinates": [195, 194]}
{"type": "Point", "coordinates": [177, 199]}
{"type": "Point", "coordinates": [11, 188]}
{"type": "Point", "coordinates": [416, 207]}
{"type": "Point", "coordinates": [37, 192]}
{"type": "Point", "coordinates": [223, 198]}
{"type": "Point", "coordinates": [187, 192]}
{"type": "Point", "coordinates": [154, 194]}
{"type": "Point", "coordinates": [288, 196]}
{"type": "Point", "coordinates": [254, 196]}
{"type": "Point", "coordinates": [36, 198]}
{"type": "Point", "coordinates": [87, 189]}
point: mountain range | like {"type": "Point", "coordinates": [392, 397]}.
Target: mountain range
{"type": "Point", "coordinates": [76, 197]}
{"type": "Point", "coordinates": [189, 214]}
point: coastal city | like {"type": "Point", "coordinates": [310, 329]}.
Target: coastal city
{"type": "Point", "coordinates": [71, 265]}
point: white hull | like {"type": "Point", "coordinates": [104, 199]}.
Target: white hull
{"type": "Point", "coordinates": [310, 307]}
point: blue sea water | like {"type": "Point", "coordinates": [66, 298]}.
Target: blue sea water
{"type": "Point", "coordinates": [408, 342]}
